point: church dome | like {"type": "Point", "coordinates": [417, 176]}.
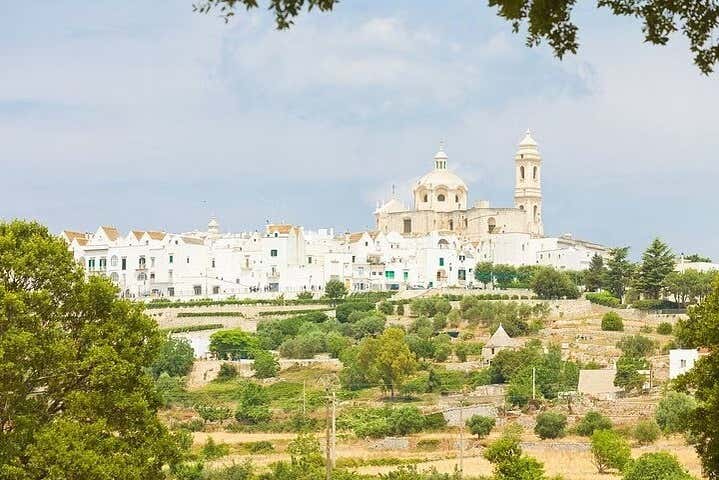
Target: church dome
{"type": "Point", "coordinates": [440, 176]}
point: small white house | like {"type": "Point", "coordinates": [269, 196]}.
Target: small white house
{"type": "Point", "coordinates": [681, 361]}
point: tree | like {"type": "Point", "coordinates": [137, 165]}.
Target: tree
{"type": "Point", "coordinates": [175, 358]}
{"type": "Point", "coordinates": [694, 257]}
{"type": "Point", "coordinates": [637, 346]}
{"type": "Point", "coordinates": [619, 271]}
{"type": "Point", "coordinates": [210, 412]}
{"type": "Point", "coordinates": [335, 291]}
{"type": "Point", "coordinates": [610, 451]}
{"type": "Point", "coordinates": [656, 466]}
{"type": "Point", "coordinates": [549, 283]}
{"type": "Point", "coordinates": [480, 425]}
{"type": "Point", "coordinates": [75, 398]}
{"type": "Point", "coordinates": [266, 365]}
{"type": "Point", "coordinates": [233, 344]}
{"type": "Point", "coordinates": [657, 263]}
{"type": "Point", "coordinates": [628, 376]}
{"type": "Point", "coordinates": [253, 404]}
{"type": "Point", "coordinates": [387, 359]}
{"type": "Point", "coordinates": [505, 454]}
{"type": "Point", "coordinates": [551, 22]}
{"type": "Point", "coordinates": [592, 422]}
{"type": "Point", "coordinates": [612, 322]}
{"type": "Point", "coordinates": [483, 273]}
{"type": "Point", "coordinates": [594, 277]}
{"type": "Point", "coordinates": [550, 425]}
{"type": "Point", "coordinates": [504, 275]}
{"type": "Point", "coordinates": [674, 412]}
{"type": "Point", "coordinates": [646, 432]}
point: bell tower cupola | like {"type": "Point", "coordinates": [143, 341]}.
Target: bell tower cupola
{"type": "Point", "coordinates": [528, 183]}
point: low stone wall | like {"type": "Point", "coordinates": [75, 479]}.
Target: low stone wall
{"type": "Point", "coordinates": [452, 415]}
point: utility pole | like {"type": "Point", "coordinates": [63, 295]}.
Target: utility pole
{"type": "Point", "coordinates": [334, 429]}
{"type": "Point", "coordinates": [328, 448]}
{"type": "Point", "coordinates": [534, 383]}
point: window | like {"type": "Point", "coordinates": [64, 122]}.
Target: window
{"type": "Point", "coordinates": [683, 363]}
{"type": "Point", "coordinates": [405, 276]}
{"type": "Point", "coordinates": [124, 263]}
{"type": "Point", "coordinates": [521, 172]}
{"type": "Point", "coordinates": [276, 235]}
{"type": "Point", "coordinates": [534, 173]}
{"type": "Point", "coordinates": [103, 262]}
{"type": "Point", "coordinates": [273, 253]}
{"type": "Point", "coordinates": [491, 225]}
{"type": "Point", "coordinates": [462, 258]}
{"type": "Point", "coordinates": [534, 215]}
{"type": "Point", "coordinates": [461, 274]}
{"type": "Point", "coordinates": [215, 290]}
{"type": "Point", "coordinates": [113, 261]}
{"type": "Point", "coordinates": [407, 225]}
{"type": "Point", "coordinates": [451, 224]}
{"type": "Point", "coordinates": [152, 276]}
{"type": "Point", "coordinates": [389, 274]}
{"type": "Point", "coordinates": [456, 198]}
{"type": "Point", "coordinates": [440, 197]}
{"type": "Point", "coordinates": [115, 277]}
{"type": "Point", "coordinates": [441, 261]}
{"type": "Point", "coordinates": [366, 244]}
{"type": "Point", "coordinates": [141, 262]}
{"type": "Point", "coordinates": [197, 289]}
{"type": "Point", "coordinates": [152, 261]}
{"type": "Point", "coordinates": [171, 292]}
{"type": "Point", "coordinates": [521, 207]}
{"type": "Point", "coordinates": [309, 260]}
{"type": "Point", "coordinates": [91, 264]}
{"type": "Point", "coordinates": [213, 263]}
{"type": "Point", "coordinates": [172, 258]}
{"type": "Point", "coordinates": [141, 277]}
{"type": "Point", "coordinates": [425, 198]}
{"type": "Point", "coordinates": [353, 259]}
{"type": "Point", "coordinates": [187, 260]}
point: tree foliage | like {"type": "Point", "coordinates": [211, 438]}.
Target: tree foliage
{"type": "Point", "coordinates": [550, 425]}
{"type": "Point", "coordinates": [549, 283]}
{"type": "Point", "coordinates": [335, 289]}
{"type": "Point", "coordinates": [619, 271]}
{"type": "Point", "coordinates": [386, 359]}
{"type": "Point", "coordinates": [75, 401]}
{"type": "Point", "coordinates": [592, 422]}
{"type": "Point", "coordinates": [175, 358]}
{"type": "Point", "coordinates": [480, 425]}
{"type": "Point", "coordinates": [612, 322]}
{"type": "Point", "coordinates": [595, 276]}
{"type": "Point", "coordinates": [656, 466]}
{"type": "Point", "coordinates": [266, 364]}
{"type": "Point", "coordinates": [657, 264]}
{"type": "Point", "coordinates": [233, 344]}
{"type": "Point", "coordinates": [610, 450]}
{"type": "Point", "coordinates": [675, 411]}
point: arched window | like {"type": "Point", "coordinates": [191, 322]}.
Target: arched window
{"type": "Point", "coordinates": [491, 225]}
{"type": "Point", "coordinates": [521, 207]}
{"type": "Point", "coordinates": [451, 224]}
{"type": "Point", "coordinates": [440, 197]}
{"type": "Point", "coordinates": [113, 261]}
{"type": "Point", "coordinates": [425, 198]}
{"type": "Point", "coordinates": [534, 173]}
{"type": "Point", "coordinates": [456, 198]}
{"type": "Point", "coordinates": [535, 213]}
{"type": "Point", "coordinates": [141, 277]}
{"type": "Point", "coordinates": [521, 172]}
{"type": "Point", "coordinates": [115, 277]}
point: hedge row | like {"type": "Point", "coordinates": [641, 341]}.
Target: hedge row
{"type": "Point", "coordinates": [209, 314]}
{"type": "Point", "coordinates": [604, 298]}
{"type": "Point", "coordinates": [193, 328]}
{"type": "Point", "coordinates": [270, 313]}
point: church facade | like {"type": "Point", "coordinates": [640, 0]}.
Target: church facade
{"type": "Point", "coordinates": [441, 199]}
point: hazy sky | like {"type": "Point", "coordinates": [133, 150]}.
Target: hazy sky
{"type": "Point", "coordinates": [150, 116]}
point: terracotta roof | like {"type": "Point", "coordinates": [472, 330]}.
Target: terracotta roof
{"type": "Point", "coordinates": [74, 235]}
{"type": "Point", "coordinates": [138, 234]}
{"type": "Point", "coordinates": [374, 234]}
{"type": "Point", "coordinates": [156, 235]}
{"type": "Point", "coordinates": [356, 237]}
{"type": "Point", "coordinates": [193, 240]}
{"type": "Point", "coordinates": [111, 232]}
{"type": "Point", "coordinates": [280, 228]}
{"type": "Point", "coordinates": [81, 241]}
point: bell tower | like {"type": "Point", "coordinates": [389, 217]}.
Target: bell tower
{"type": "Point", "coordinates": [528, 184]}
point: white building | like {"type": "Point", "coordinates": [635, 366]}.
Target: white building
{"type": "Point", "coordinates": [681, 361]}
{"type": "Point", "coordinates": [436, 244]}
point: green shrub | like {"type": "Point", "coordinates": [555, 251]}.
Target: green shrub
{"type": "Point", "coordinates": [209, 314]}
{"type": "Point", "coordinates": [612, 322]}
{"type": "Point", "coordinates": [646, 432]}
{"type": "Point", "coordinates": [550, 425]}
{"type": "Point", "coordinates": [385, 307]}
{"type": "Point", "coordinates": [674, 411]}
{"type": "Point", "coordinates": [175, 357]}
{"type": "Point", "coordinates": [646, 329]}
{"type": "Point", "coordinates": [345, 309]}
{"type": "Point", "coordinates": [253, 404]}
{"type": "Point", "coordinates": [665, 328]}
{"type": "Point", "coordinates": [227, 372]}
{"type": "Point", "coordinates": [171, 390]}
{"type": "Point", "coordinates": [650, 304]}
{"type": "Point", "coordinates": [480, 425]}
{"type": "Point", "coordinates": [233, 343]}
{"type": "Point", "coordinates": [428, 444]}
{"type": "Point", "coordinates": [656, 466]}
{"type": "Point", "coordinates": [591, 422]}
{"type": "Point", "coordinates": [212, 450]}
{"type": "Point", "coordinates": [305, 295]}
{"type": "Point", "coordinates": [193, 328]}
{"type": "Point", "coordinates": [604, 298]}
{"type": "Point", "coordinates": [637, 346]}
{"type": "Point", "coordinates": [265, 364]}
{"type": "Point", "coordinates": [211, 412]}
{"type": "Point", "coordinates": [400, 309]}
{"type": "Point", "coordinates": [610, 451]}
{"type": "Point", "coordinates": [263, 446]}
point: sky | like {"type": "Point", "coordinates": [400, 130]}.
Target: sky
{"type": "Point", "coordinates": [150, 116]}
